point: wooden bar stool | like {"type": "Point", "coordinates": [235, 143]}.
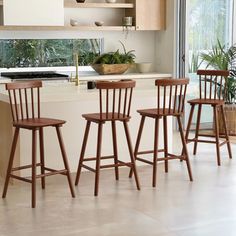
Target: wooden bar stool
{"type": "Point", "coordinates": [115, 104]}
{"type": "Point", "coordinates": [173, 92]}
{"type": "Point", "coordinates": [25, 107]}
{"type": "Point", "coordinates": [212, 92]}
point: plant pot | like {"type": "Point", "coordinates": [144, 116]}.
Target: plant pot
{"type": "Point", "coordinates": [230, 114]}
{"type": "Point", "coordinates": [110, 69]}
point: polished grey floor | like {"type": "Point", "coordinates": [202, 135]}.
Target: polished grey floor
{"type": "Point", "coordinates": [176, 207]}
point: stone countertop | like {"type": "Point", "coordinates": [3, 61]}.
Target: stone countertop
{"type": "Point", "coordinates": [67, 92]}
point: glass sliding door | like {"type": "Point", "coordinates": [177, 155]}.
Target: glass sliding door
{"type": "Point", "coordinates": [205, 22]}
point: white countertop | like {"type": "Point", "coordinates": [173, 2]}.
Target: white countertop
{"type": "Point", "coordinates": [65, 92]}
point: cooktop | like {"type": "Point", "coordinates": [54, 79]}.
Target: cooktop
{"type": "Point", "coordinates": [35, 75]}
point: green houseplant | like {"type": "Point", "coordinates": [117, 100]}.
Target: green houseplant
{"type": "Point", "coordinates": [114, 62]}
{"type": "Point", "coordinates": [222, 57]}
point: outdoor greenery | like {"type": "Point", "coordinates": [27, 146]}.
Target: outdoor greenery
{"type": "Point", "coordinates": [116, 57]}
{"type": "Point", "coordinates": [207, 23]}
{"type": "Point", "coordinates": [224, 58]}
{"type": "Point", "coordinates": [47, 52]}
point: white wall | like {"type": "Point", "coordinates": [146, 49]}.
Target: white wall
{"type": "Point", "coordinates": [234, 24]}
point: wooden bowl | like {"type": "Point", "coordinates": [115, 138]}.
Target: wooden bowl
{"type": "Point", "coordinates": [110, 69]}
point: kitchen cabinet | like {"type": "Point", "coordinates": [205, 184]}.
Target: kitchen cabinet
{"type": "Point", "coordinates": [33, 12]}
{"type": "Point", "coordinates": [148, 14]}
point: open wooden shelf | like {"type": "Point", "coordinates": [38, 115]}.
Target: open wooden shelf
{"type": "Point", "coordinates": [73, 4]}
{"type": "Point", "coordinates": [66, 28]}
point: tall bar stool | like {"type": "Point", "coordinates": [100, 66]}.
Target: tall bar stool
{"type": "Point", "coordinates": [173, 92]}
{"type": "Point", "coordinates": [25, 107]}
{"type": "Point", "coordinates": [115, 104]}
{"type": "Point", "coordinates": [212, 92]}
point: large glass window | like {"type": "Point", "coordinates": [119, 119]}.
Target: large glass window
{"type": "Point", "coordinates": [17, 53]}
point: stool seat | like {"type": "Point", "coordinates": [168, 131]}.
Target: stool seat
{"type": "Point", "coordinates": [97, 117]}
{"type": "Point", "coordinates": [214, 102]}
{"type": "Point", "coordinates": [158, 112]}
{"type": "Point", "coordinates": [37, 122]}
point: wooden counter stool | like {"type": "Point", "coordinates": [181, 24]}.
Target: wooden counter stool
{"type": "Point", "coordinates": [173, 92]}
{"type": "Point", "coordinates": [115, 103]}
{"type": "Point", "coordinates": [212, 92]}
{"type": "Point", "coordinates": [25, 107]}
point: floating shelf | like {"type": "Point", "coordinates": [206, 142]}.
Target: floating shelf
{"type": "Point", "coordinates": [73, 4]}
{"type": "Point", "coordinates": [66, 28]}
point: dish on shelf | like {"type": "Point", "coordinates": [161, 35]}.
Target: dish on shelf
{"type": "Point", "coordinates": [73, 22]}
{"type": "Point", "coordinates": [99, 23]}
{"type": "Point", "coordinates": [110, 1]}
{"type": "Point", "coordinates": [80, 1]}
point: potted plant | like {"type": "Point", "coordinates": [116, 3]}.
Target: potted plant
{"type": "Point", "coordinates": [224, 58]}
{"type": "Point", "coordinates": [114, 62]}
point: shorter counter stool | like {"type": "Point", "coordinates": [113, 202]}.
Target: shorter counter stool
{"type": "Point", "coordinates": [212, 92]}
{"type": "Point", "coordinates": [25, 107]}
{"type": "Point", "coordinates": [170, 103]}
{"type": "Point", "coordinates": [115, 104]}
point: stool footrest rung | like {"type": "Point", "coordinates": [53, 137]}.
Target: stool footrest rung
{"type": "Point", "coordinates": [116, 165]}
{"type": "Point", "coordinates": [129, 164]}
{"type": "Point", "coordinates": [53, 172]}
{"type": "Point", "coordinates": [88, 168]}
{"type": "Point", "coordinates": [102, 158]}
{"type": "Point", "coordinates": [24, 167]}
{"type": "Point", "coordinates": [143, 160]}
{"type": "Point", "coordinates": [56, 171]}
{"type": "Point", "coordinates": [223, 143]}
{"type": "Point", "coordinates": [200, 141]}
{"type": "Point", "coordinates": [149, 152]}
{"type": "Point", "coordinates": [21, 178]}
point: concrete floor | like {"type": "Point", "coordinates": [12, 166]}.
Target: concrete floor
{"type": "Point", "coordinates": [175, 208]}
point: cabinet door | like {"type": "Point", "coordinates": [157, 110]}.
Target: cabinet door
{"type": "Point", "coordinates": [150, 14]}
{"type": "Point", "coordinates": [33, 12]}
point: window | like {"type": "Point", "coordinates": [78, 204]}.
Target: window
{"type": "Point", "coordinates": [17, 53]}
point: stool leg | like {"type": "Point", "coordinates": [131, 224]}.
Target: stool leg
{"type": "Point", "coordinates": [113, 124]}
{"type": "Point", "coordinates": [165, 142]}
{"type": "Point", "coordinates": [197, 128]}
{"type": "Point", "coordinates": [98, 158]}
{"type": "Point", "coordinates": [34, 139]}
{"type": "Point", "coordinates": [137, 142]}
{"type": "Point", "coordinates": [63, 152]}
{"type": "Point", "coordinates": [188, 125]}
{"type": "Point", "coordinates": [226, 131]}
{"type": "Point", "coordinates": [217, 135]}
{"type": "Point", "coordinates": [131, 154]}
{"type": "Point", "coordinates": [82, 152]}
{"type": "Point", "coordinates": [185, 150]}
{"type": "Point", "coordinates": [156, 132]}
{"type": "Point", "coordinates": [41, 143]}
{"type": "Point", "coordinates": [10, 163]}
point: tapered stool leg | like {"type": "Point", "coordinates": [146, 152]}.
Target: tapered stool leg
{"type": "Point", "coordinates": [98, 158]}
{"type": "Point", "coordinates": [185, 150]}
{"type": "Point", "coordinates": [226, 132]}
{"type": "Point", "coordinates": [34, 167]}
{"type": "Point", "coordinates": [131, 154]}
{"type": "Point", "coordinates": [10, 163]}
{"type": "Point", "coordinates": [165, 142]}
{"type": "Point", "coordinates": [82, 152]}
{"type": "Point", "coordinates": [63, 152]}
{"type": "Point", "coordinates": [138, 141]}
{"type": "Point", "coordinates": [41, 143]}
{"type": "Point", "coordinates": [114, 139]}
{"type": "Point", "coordinates": [197, 129]}
{"type": "Point", "coordinates": [155, 155]}
{"type": "Point", "coordinates": [216, 124]}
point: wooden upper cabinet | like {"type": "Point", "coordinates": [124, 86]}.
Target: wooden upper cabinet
{"type": "Point", "coordinates": [148, 14]}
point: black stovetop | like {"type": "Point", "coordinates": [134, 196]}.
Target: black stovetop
{"type": "Point", "coordinates": [39, 75]}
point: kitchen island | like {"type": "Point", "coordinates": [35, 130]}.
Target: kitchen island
{"type": "Point", "coordinates": [68, 102]}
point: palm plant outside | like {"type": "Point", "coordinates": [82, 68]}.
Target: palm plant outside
{"type": "Point", "coordinates": [222, 57]}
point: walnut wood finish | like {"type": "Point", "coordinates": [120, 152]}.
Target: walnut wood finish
{"type": "Point", "coordinates": [25, 107]}
{"type": "Point", "coordinates": [171, 95]}
{"type": "Point", "coordinates": [114, 105]}
{"type": "Point", "coordinates": [212, 92]}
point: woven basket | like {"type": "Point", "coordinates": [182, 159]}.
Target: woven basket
{"type": "Point", "coordinates": [110, 69]}
{"type": "Point", "coordinates": [230, 114]}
